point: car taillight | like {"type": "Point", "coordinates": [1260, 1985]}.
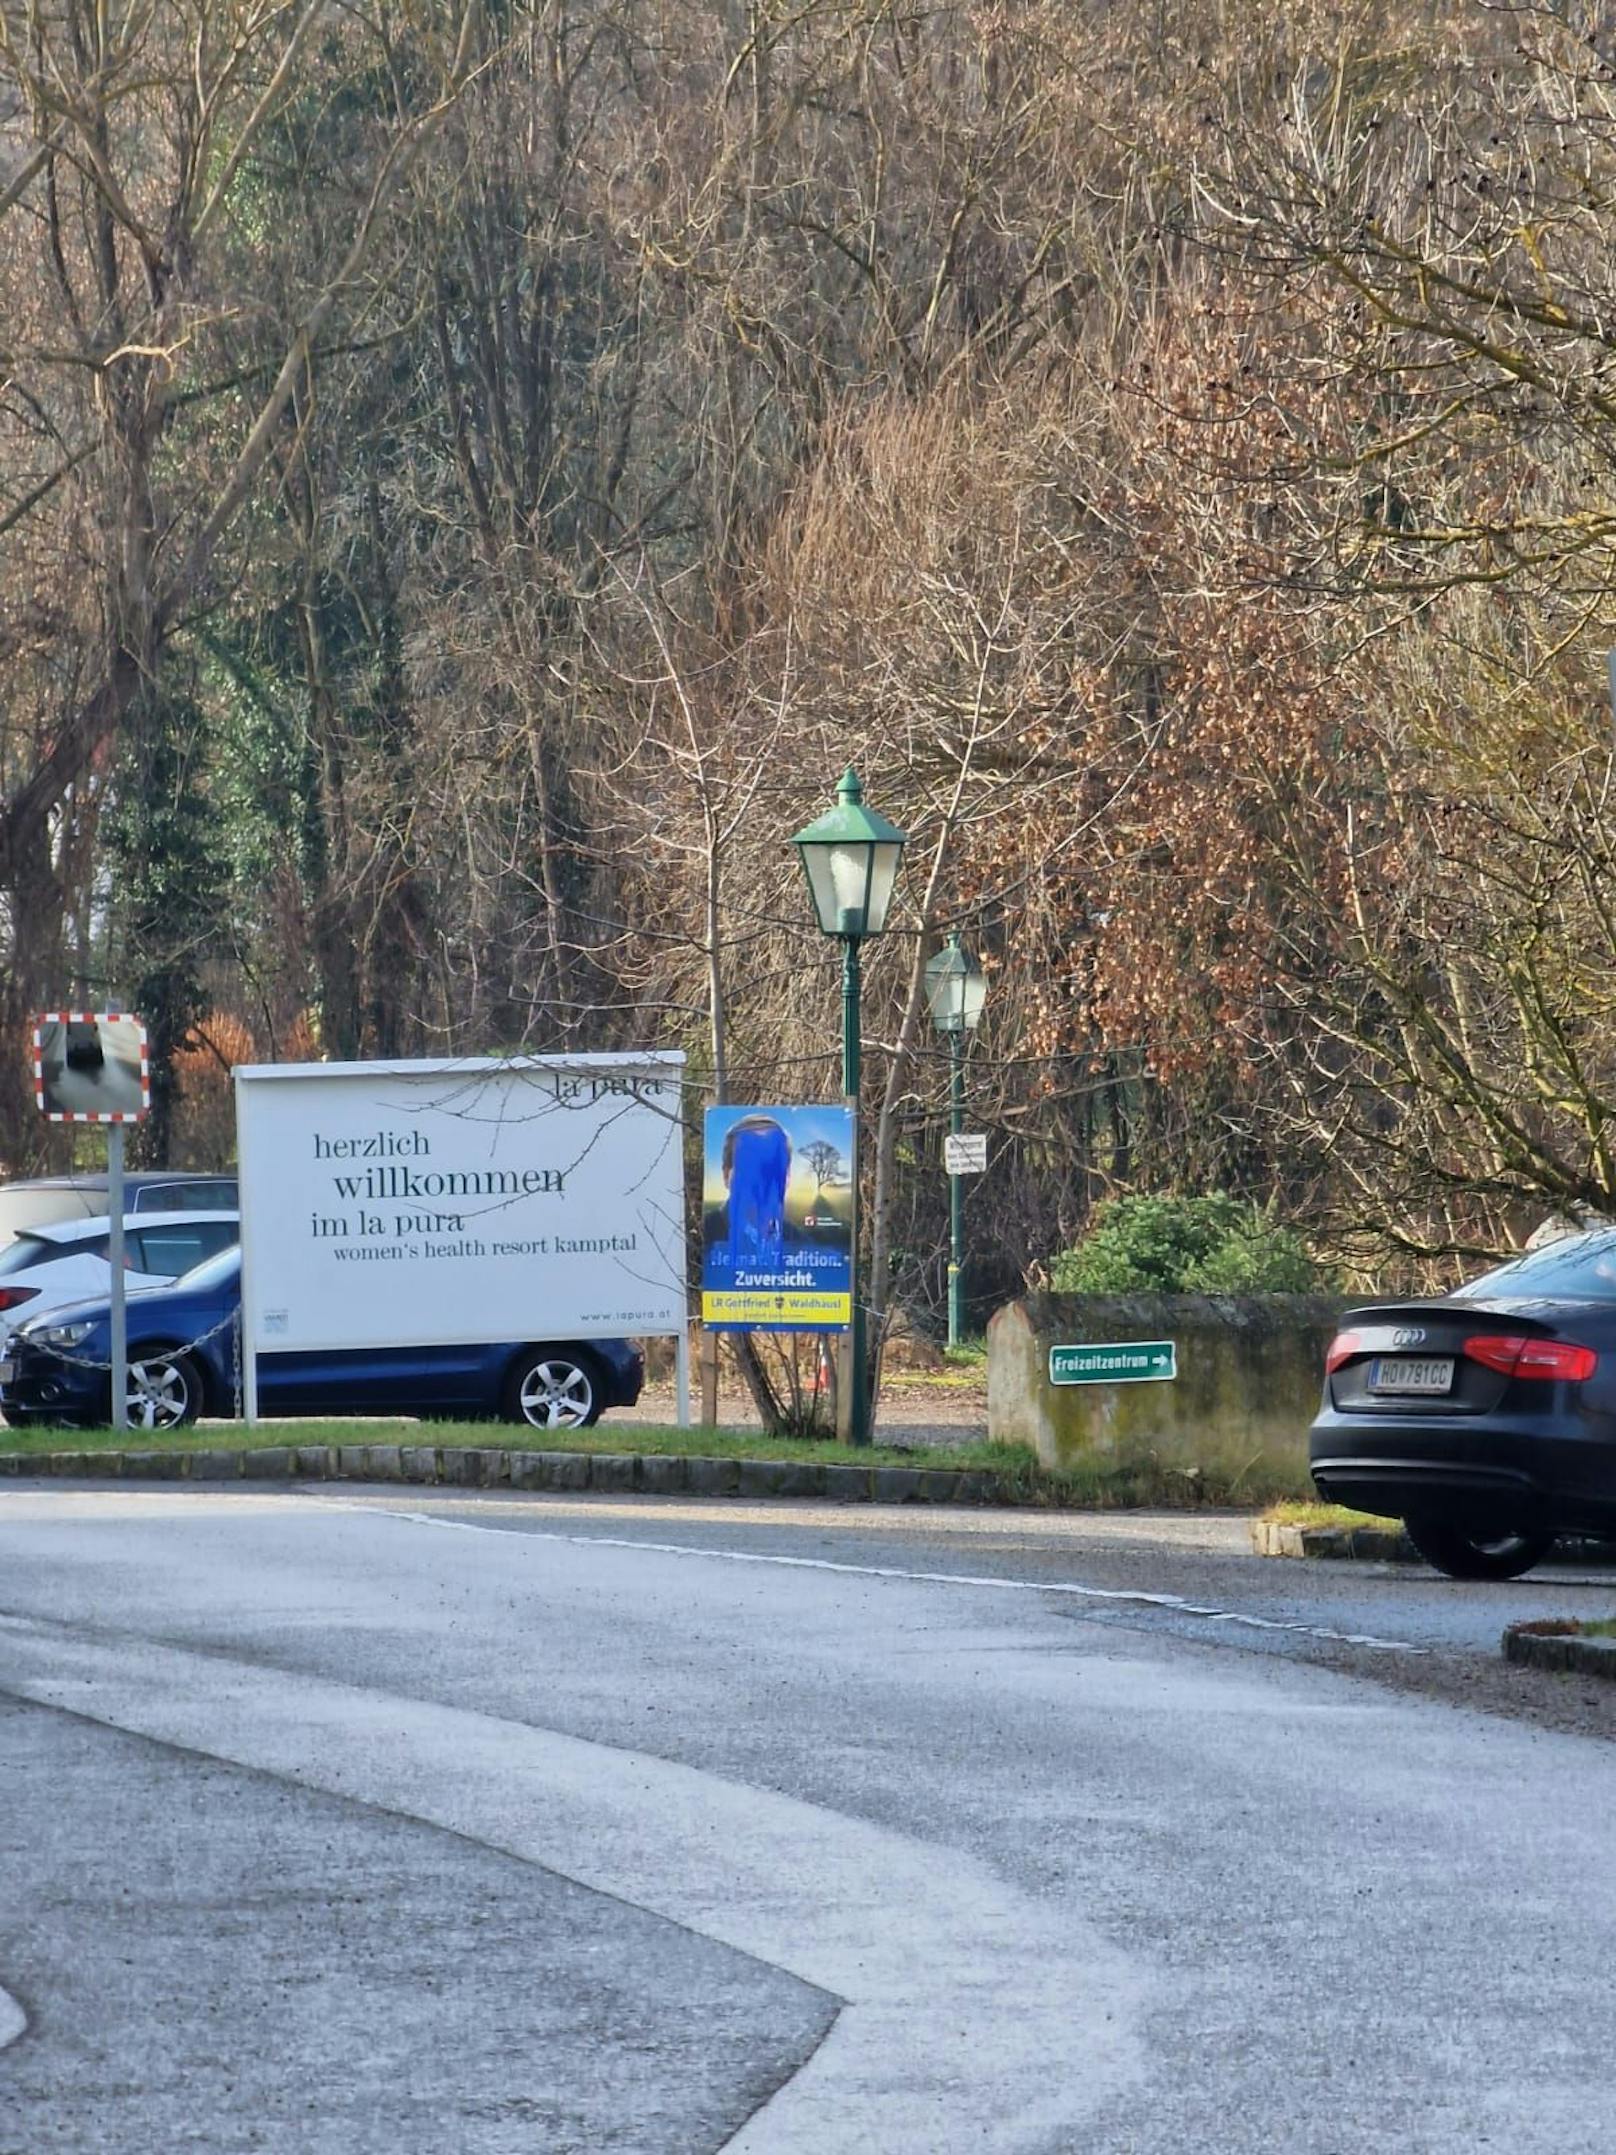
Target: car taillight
{"type": "Point", "coordinates": [14, 1297]}
{"type": "Point", "coordinates": [1342, 1349]}
{"type": "Point", "coordinates": [1514, 1355]}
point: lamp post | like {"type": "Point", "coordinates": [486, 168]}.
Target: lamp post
{"type": "Point", "coordinates": [850, 857]}
{"type": "Point", "coordinates": [956, 991]}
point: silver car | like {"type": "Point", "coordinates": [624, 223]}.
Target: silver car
{"type": "Point", "coordinates": [57, 1261]}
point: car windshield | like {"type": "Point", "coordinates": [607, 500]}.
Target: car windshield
{"type": "Point", "coordinates": [1577, 1268]}
{"type": "Point", "coordinates": [219, 1271]}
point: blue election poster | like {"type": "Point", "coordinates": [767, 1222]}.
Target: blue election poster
{"type": "Point", "coordinates": [776, 1219]}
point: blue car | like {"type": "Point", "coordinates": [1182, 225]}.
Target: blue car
{"type": "Point", "coordinates": [182, 1363]}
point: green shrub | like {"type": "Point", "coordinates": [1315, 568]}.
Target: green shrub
{"type": "Point", "coordinates": [1259, 1257]}
{"type": "Point", "coordinates": [1186, 1245]}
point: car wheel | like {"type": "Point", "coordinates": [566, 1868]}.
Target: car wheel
{"type": "Point", "coordinates": [553, 1388]}
{"type": "Point", "coordinates": [1463, 1555]}
{"type": "Point", "coordinates": [165, 1391]}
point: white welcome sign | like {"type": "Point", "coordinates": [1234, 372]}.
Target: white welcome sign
{"type": "Point", "coordinates": [432, 1203]}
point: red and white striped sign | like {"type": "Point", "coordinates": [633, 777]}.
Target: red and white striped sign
{"type": "Point", "coordinates": [91, 1066]}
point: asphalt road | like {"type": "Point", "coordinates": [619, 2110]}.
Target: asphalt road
{"type": "Point", "coordinates": [339, 1821]}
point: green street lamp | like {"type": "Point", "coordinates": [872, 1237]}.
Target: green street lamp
{"type": "Point", "coordinates": [850, 857]}
{"type": "Point", "coordinates": [956, 990]}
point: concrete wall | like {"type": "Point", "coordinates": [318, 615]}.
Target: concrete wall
{"type": "Point", "coordinates": [1250, 1372]}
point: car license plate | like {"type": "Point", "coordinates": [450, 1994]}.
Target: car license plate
{"type": "Point", "coordinates": [1412, 1373]}
{"type": "Point", "coordinates": [7, 1371]}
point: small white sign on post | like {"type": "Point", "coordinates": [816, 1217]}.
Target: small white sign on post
{"type": "Point", "coordinates": [966, 1154]}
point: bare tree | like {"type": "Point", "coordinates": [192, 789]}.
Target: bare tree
{"type": "Point", "coordinates": [136, 147]}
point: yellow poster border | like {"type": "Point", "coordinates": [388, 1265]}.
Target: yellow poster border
{"type": "Point", "coordinates": [807, 1307]}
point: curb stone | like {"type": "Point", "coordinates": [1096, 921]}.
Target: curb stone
{"type": "Point", "coordinates": [1272, 1537]}
{"type": "Point", "coordinates": [662, 1474]}
{"type": "Point", "coordinates": [215, 1467]}
{"type": "Point", "coordinates": [147, 1466]}
{"type": "Point", "coordinates": [272, 1465]}
{"type": "Point", "coordinates": [850, 1485]}
{"type": "Point", "coordinates": [715, 1477]}
{"type": "Point", "coordinates": [491, 1466]}
{"type": "Point", "coordinates": [781, 1478]}
{"type": "Point", "coordinates": [974, 1485]}
{"type": "Point", "coordinates": [475, 1466]}
{"type": "Point", "coordinates": [1567, 1653]}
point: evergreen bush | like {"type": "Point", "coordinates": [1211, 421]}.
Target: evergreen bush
{"type": "Point", "coordinates": [1215, 1244]}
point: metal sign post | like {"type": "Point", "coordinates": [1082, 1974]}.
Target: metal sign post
{"type": "Point", "coordinates": [682, 1377]}
{"type": "Point", "coordinates": [95, 1066]}
{"type": "Point", "coordinates": [120, 1306]}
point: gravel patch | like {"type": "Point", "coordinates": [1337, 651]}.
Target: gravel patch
{"type": "Point", "coordinates": [936, 1416]}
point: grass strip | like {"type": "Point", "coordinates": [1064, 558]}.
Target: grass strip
{"type": "Point", "coordinates": [607, 1437]}
{"type": "Point", "coordinates": [1143, 1483]}
{"type": "Point", "coordinates": [1307, 1513]}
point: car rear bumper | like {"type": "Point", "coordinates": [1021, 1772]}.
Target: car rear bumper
{"type": "Point", "coordinates": [627, 1378]}
{"type": "Point", "coordinates": [1561, 1475]}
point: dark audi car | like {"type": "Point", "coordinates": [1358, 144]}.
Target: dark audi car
{"type": "Point", "coordinates": [182, 1364]}
{"type": "Point", "coordinates": [1486, 1419]}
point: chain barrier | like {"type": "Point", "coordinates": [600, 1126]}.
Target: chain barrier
{"type": "Point", "coordinates": [84, 1361]}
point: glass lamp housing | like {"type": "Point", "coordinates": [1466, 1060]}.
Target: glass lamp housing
{"type": "Point", "coordinates": [850, 857]}
{"type": "Point", "coordinates": [956, 989]}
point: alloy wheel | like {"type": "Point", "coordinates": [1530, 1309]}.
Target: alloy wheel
{"type": "Point", "coordinates": [159, 1395]}
{"type": "Point", "coordinates": [556, 1394]}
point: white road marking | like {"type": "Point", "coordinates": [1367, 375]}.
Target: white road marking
{"type": "Point", "coordinates": [13, 2019]}
{"type": "Point", "coordinates": [1174, 1604]}
{"type": "Point", "coordinates": [972, 2013]}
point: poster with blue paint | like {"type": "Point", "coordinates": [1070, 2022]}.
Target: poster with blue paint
{"type": "Point", "coordinates": [777, 1219]}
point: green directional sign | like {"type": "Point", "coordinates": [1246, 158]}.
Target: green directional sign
{"type": "Point", "coordinates": [1132, 1361]}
